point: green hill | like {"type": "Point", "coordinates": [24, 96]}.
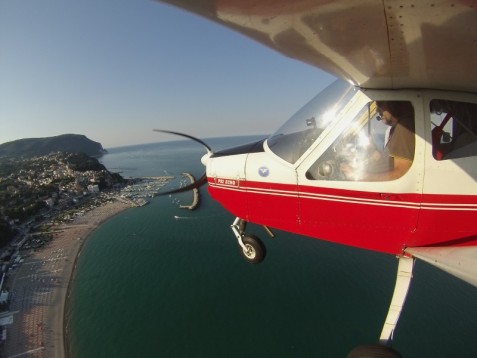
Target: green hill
{"type": "Point", "coordinates": [30, 147]}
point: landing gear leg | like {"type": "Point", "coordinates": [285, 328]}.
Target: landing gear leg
{"type": "Point", "coordinates": [250, 246]}
{"type": "Point", "coordinates": [403, 281]}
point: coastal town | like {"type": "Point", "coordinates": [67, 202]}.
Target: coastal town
{"type": "Point", "coordinates": [34, 189]}
{"type": "Point", "coordinates": [48, 207]}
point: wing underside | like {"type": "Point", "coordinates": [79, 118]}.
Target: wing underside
{"type": "Point", "coordinates": [371, 43]}
{"type": "Point", "coordinates": [458, 261]}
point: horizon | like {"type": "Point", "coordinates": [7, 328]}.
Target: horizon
{"type": "Point", "coordinates": [115, 70]}
{"type": "Point", "coordinates": [163, 140]}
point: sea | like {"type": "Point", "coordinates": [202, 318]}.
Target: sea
{"type": "Point", "coordinates": [160, 281]}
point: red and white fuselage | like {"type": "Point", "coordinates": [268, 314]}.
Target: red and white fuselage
{"type": "Point", "coordinates": [433, 204]}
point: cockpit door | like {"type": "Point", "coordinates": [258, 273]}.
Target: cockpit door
{"type": "Point", "coordinates": [345, 194]}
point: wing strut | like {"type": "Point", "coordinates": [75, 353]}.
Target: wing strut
{"type": "Point", "coordinates": [403, 281]}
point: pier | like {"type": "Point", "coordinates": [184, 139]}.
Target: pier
{"type": "Point", "coordinates": [195, 201]}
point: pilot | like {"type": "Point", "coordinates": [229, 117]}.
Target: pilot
{"type": "Point", "coordinates": [396, 158]}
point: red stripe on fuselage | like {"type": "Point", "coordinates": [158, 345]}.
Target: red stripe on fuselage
{"type": "Point", "coordinates": [369, 220]}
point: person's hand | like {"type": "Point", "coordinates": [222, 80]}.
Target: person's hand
{"type": "Point", "coordinates": [375, 156]}
{"type": "Point", "coordinates": [346, 170]}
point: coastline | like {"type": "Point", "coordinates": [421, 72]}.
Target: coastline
{"type": "Point", "coordinates": [41, 287]}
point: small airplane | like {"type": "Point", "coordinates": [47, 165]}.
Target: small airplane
{"type": "Point", "coordinates": [385, 158]}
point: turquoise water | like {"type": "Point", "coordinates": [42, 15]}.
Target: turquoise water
{"type": "Point", "coordinates": [149, 285]}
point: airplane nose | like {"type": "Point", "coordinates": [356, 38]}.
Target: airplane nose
{"type": "Point", "coordinates": [205, 158]}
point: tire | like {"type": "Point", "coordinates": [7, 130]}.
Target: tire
{"type": "Point", "coordinates": [374, 351]}
{"type": "Point", "coordinates": [256, 250]}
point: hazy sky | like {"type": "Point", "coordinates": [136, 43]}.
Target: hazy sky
{"type": "Point", "coordinates": [115, 69]}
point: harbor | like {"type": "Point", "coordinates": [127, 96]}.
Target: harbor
{"type": "Point", "coordinates": [140, 190]}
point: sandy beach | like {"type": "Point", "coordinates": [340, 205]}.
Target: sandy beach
{"type": "Point", "coordinates": [39, 287]}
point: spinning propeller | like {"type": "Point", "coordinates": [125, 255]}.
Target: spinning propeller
{"type": "Point", "coordinates": [203, 179]}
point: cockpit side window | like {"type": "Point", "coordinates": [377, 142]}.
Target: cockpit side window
{"type": "Point", "coordinates": [454, 129]}
{"type": "Point", "coordinates": [378, 145]}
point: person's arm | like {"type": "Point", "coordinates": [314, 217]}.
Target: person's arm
{"type": "Point", "coordinates": [401, 166]}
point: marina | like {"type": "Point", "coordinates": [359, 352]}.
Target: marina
{"type": "Point", "coordinates": [141, 189]}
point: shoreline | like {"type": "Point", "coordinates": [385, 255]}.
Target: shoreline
{"type": "Point", "coordinates": [119, 207]}
{"type": "Point", "coordinates": [42, 286]}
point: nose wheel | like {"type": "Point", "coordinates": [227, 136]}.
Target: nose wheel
{"type": "Point", "coordinates": [254, 251]}
{"type": "Point", "coordinates": [251, 247]}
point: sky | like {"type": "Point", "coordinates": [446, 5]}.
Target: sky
{"type": "Point", "coordinates": [113, 70]}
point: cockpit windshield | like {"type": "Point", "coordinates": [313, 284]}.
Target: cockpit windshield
{"type": "Point", "coordinates": [292, 139]}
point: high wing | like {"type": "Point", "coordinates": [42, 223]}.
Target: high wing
{"type": "Point", "coordinates": [371, 43]}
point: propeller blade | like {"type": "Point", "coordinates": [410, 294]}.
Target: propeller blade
{"type": "Point", "coordinates": [186, 136]}
{"type": "Point", "coordinates": [203, 179]}
{"type": "Point", "coordinates": [195, 185]}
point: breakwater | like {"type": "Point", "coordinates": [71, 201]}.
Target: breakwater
{"type": "Point", "coordinates": [195, 191]}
